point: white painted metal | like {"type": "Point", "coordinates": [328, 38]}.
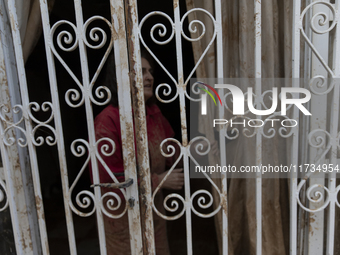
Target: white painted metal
{"type": "Point", "coordinates": [302, 242]}
{"type": "Point", "coordinates": [294, 143]}
{"type": "Point", "coordinates": [92, 144]}
{"type": "Point", "coordinates": [334, 130]}
{"type": "Point", "coordinates": [220, 75]}
{"type": "Point", "coordinates": [181, 85]}
{"type": "Point", "coordinates": [258, 99]}
{"type": "Point", "coordinates": [86, 98]}
{"type": "Point", "coordinates": [141, 132]}
{"type": "Point", "coordinates": [320, 140]}
{"type": "Point", "coordinates": [124, 95]}
{"type": "Point", "coordinates": [27, 118]}
{"type": "Point", "coordinates": [318, 121]}
{"type": "Point", "coordinates": [20, 158]}
{"type": "Point", "coordinates": [83, 95]}
{"type": "Point", "coordinates": [58, 125]}
{"type": "Point", "coordinates": [10, 177]}
{"type": "Point", "coordinates": [181, 89]}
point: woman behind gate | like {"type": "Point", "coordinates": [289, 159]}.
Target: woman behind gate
{"type": "Point", "coordinates": [158, 128]}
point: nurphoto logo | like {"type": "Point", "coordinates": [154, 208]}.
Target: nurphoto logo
{"type": "Point", "coordinates": [239, 99]}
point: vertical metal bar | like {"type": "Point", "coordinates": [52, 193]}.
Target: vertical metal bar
{"type": "Point", "coordinates": [12, 172]}
{"type": "Point", "coordinates": [140, 123]}
{"type": "Point", "coordinates": [302, 214]}
{"type": "Point", "coordinates": [220, 75]}
{"type": "Point", "coordinates": [126, 122]}
{"type": "Point", "coordinates": [89, 118]}
{"type": "Point", "coordinates": [294, 142]}
{"type": "Point", "coordinates": [58, 125]}
{"type": "Point", "coordinates": [14, 92]}
{"type": "Point", "coordinates": [181, 91]}
{"type": "Point", "coordinates": [28, 124]}
{"type": "Point", "coordinates": [317, 121]}
{"type": "Point", "coordinates": [258, 75]}
{"type": "Point", "coordinates": [334, 133]}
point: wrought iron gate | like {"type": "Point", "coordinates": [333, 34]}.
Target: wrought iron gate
{"type": "Point", "coordinates": [122, 34]}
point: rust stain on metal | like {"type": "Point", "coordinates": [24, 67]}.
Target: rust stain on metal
{"type": "Point", "coordinates": [311, 221]}
{"type": "Point", "coordinates": [140, 127]}
{"type": "Point", "coordinates": [24, 245]}
{"type": "Point", "coordinates": [175, 4]}
{"type": "Point", "coordinates": [224, 202]}
{"type": "Point", "coordinates": [39, 205]}
{"type": "Point", "coordinates": [114, 31]}
{"type": "Point", "coordinates": [12, 22]}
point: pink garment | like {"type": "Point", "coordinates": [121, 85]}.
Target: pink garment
{"type": "Point", "coordinates": [107, 125]}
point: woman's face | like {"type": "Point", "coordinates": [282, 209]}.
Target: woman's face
{"type": "Point", "coordinates": [147, 79]}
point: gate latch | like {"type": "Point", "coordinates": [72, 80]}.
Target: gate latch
{"type": "Point", "coordinates": [131, 202]}
{"type": "Point", "coordinates": [120, 185]}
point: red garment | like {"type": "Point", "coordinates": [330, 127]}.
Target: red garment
{"type": "Point", "coordinates": [107, 124]}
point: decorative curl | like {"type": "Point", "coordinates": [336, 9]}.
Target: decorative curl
{"type": "Point", "coordinates": [162, 28]}
{"type": "Point", "coordinates": [166, 92]}
{"type": "Point", "coordinates": [171, 149]}
{"type": "Point", "coordinates": [16, 109]}
{"type": "Point", "coordinates": [162, 33]}
{"type": "Point", "coordinates": [110, 204]}
{"type": "Point", "coordinates": [68, 38]}
{"type": "Point", "coordinates": [322, 19]}
{"type": "Point", "coordinates": [319, 142]}
{"type": "Point", "coordinates": [40, 140]}
{"type": "Point", "coordinates": [66, 35]}
{"type": "Point", "coordinates": [3, 196]}
{"type": "Point", "coordinates": [3, 111]}
{"type": "Point", "coordinates": [313, 196]}
{"type": "Point", "coordinates": [193, 28]}
{"type": "Point", "coordinates": [10, 140]}
{"type": "Point", "coordinates": [319, 82]}
{"type": "Point", "coordinates": [236, 132]}
{"type": "Point", "coordinates": [46, 106]}
{"type": "Point", "coordinates": [74, 95]}
{"type": "Point", "coordinates": [80, 150]}
{"type": "Point", "coordinates": [195, 89]}
{"type": "Point", "coordinates": [271, 132]}
{"type": "Point", "coordinates": [84, 203]}
{"type": "Point", "coordinates": [201, 201]}
{"type": "Point", "coordinates": [99, 92]}
{"type": "Point", "coordinates": [105, 148]}
{"type": "Point", "coordinates": [199, 147]}
{"type": "Point", "coordinates": [174, 206]}
{"type": "Point", "coordinates": [94, 32]}
{"type": "Point", "coordinates": [336, 196]}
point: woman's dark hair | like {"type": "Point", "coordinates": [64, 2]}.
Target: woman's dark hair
{"type": "Point", "coordinates": [110, 80]}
